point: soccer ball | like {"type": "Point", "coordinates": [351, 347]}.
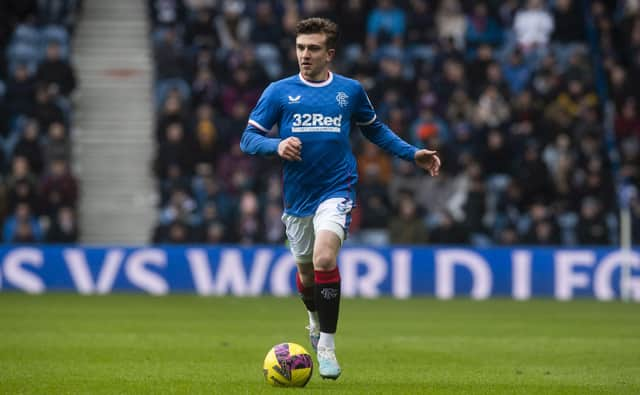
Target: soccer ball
{"type": "Point", "coordinates": [288, 365]}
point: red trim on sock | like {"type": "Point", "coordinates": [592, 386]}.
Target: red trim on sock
{"type": "Point", "coordinates": [299, 283]}
{"type": "Point", "coordinates": [332, 276]}
{"type": "Point", "coordinates": [306, 291]}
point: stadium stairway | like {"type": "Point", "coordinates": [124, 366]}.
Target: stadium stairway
{"type": "Point", "coordinates": [113, 145]}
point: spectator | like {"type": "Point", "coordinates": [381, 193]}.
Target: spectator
{"type": "Point", "coordinates": [173, 112]}
{"type": "Point", "coordinates": [482, 28]}
{"type": "Point", "coordinates": [21, 185]}
{"type": "Point", "coordinates": [534, 176]}
{"type": "Point", "coordinates": [509, 236]}
{"type": "Point", "coordinates": [174, 150]}
{"type": "Point", "coordinates": [177, 232]}
{"type": "Point", "coordinates": [592, 227]}
{"type": "Point", "coordinates": [274, 228]}
{"type": "Point", "coordinates": [448, 231]}
{"type": "Point", "coordinates": [477, 70]}
{"type": "Point", "coordinates": [56, 144]}
{"type": "Point", "coordinates": [200, 31]}
{"type": "Point", "coordinates": [46, 111]}
{"type": "Point", "coordinates": [57, 12]}
{"type": "Point", "coordinates": [265, 28]}
{"type": "Point", "coordinates": [370, 161]}
{"type": "Point", "coordinates": [29, 147]}
{"type": "Point", "coordinates": [246, 58]}
{"type": "Point", "coordinates": [543, 232]}
{"type": "Point", "coordinates": [542, 229]}
{"type": "Point", "coordinates": [497, 156]}
{"type": "Point", "coordinates": [63, 228]}
{"type": "Point", "coordinates": [516, 72]}
{"type": "Point", "coordinates": [460, 109]}
{"type": "Point", "coordinates": [352, 19]}
{"type": "Point", "coordinates": [59, 188]}
{"type": "Point", "coordinates": [239, 90]}
{"type": "Point", "coordinates": [445, 193]}
{"type": "Point", "coordinates": [22, 226]}
{"type": "Point", "coordinates": [511, 204]}
{"type": "Point", "coordinates": [407, 226]}
{"type": "Point", "coordinates": [373, 199]}
{"type": "Point", "coordinates": [206, 148]}
{"type": "Point", "coordinates": [205, 88]}
{"type": "Point", "coordinates": [209, 189]}
{"type": "Point", "coordinates": [453, 78]}
{"type": "Point", "coordinates": [475, 206]}
{"type": "Point", "coordinates": [569, 26]}
{"type": "Point", "coordinates": [627, 123]}
{"type": "Point", "coordinates": [56, 72]}
{"type": "Point", "coordinates": [248, 227]}
{"type": "Point", "coordinates": [451, 23]}
{"type": "Point", "coordinates": [170, 61]}
{"type": "Point", "coordinates": [181, 207]}
{"type": "Point", "coordinates": [492, 110]}
{"type": "Point", "coordinates": [386, 26]}
{"type": "Point", "coordinates": [21, 90]}
{"type": "Point", "coordinates": [533, 26]}
{"type": "Point", "coordinates": [167, 13]}
{"type": "Point", "coordinates": [203, 58]}
{"type": "Point", "coordinates": [232, 26]}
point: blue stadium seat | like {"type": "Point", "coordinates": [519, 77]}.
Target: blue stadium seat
{"type": "Point", "coordinates": [26, 34]}
{"type": "Point", "coordinates": [163, 87]}
{"type": "Point", "coordinates": [54, 33]}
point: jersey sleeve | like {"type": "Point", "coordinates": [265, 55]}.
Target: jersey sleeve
{"type": "Point", "coordinates": [363, 113]}
{"type": "Point", "coordinates": [266, 113]}
{"type": "Point", "coordinates": [379, 133]}
{"type": "Point", "coordinates": [263, 117]}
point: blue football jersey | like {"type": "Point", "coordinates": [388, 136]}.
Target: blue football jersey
{"type": "Point", "coordinates": [320, 115]}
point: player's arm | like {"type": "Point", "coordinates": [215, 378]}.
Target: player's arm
{"type": "Point", "coordinates": [264, 115]}
{"type": "Point", "coordinates": [380, 134]}
{"type": "Point", "coordinates": [254, 139]}
{"type": "Point", "coordinates": [255, 142]}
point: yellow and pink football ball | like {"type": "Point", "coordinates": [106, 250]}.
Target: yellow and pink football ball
{"type": "Point", "coordinates": [288, 365]}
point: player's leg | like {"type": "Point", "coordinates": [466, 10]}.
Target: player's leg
{"type": "Point", "coordinates": [301, 237]}
{"type": "Point", "coordinates": [327, 278]}
{"type": "Point", "coordinates": [306, 289]}
{"type": "Point", "coordinates": [330, 223]}
{"type": "Point", "coordinates": [327, 296]}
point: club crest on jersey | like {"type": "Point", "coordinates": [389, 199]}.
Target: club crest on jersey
{"type": "Point", "coordinates": [294, 99]}
{"type": "Point", "coordinates": [342, 99]}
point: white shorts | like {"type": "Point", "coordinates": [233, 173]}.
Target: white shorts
{"type": "Point", "coordinates": [333, 215]}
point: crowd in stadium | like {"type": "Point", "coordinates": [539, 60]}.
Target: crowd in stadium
{"type": "Point", "coordinates": [38, 192]}
{"type": "Point", "coordinates": [514, 95]}
{"type": "Point", "coordinates": [532, 105]}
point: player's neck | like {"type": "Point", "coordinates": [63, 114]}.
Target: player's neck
{"type": "Point", "coordinates": [317, 84]}
{"type": "Point", "coordinates": [318, 78]}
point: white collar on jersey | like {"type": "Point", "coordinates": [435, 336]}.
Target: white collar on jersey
{"type": "Point", "coordinates": [317, 84]}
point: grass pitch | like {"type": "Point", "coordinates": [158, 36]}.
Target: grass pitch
{"type": "Point", "coordinates": [138, 344]}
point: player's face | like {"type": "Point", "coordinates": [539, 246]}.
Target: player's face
{"type": "Point", "coordinates": [313, 56]}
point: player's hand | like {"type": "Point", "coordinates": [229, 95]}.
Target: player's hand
{"type": "Point", "coordinates": [428, 160]}
{"type": "Point", "coordinates": [290, 149]}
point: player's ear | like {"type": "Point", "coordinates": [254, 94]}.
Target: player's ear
{"type": "Point", "coordinates": [331, 52]}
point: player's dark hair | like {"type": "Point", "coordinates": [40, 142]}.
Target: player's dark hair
{"type": "Point", "coordinates": [319, 25]}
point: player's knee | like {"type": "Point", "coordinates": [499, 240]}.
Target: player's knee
{"type": "Point", "coordinates": [324, 262]}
